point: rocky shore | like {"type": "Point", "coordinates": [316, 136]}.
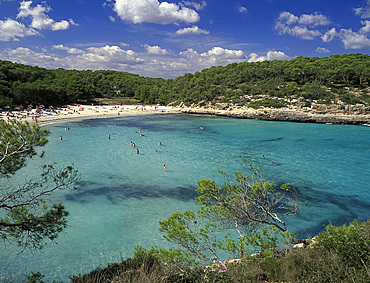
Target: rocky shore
{"type": "Point", "coordinates": [288, 115]}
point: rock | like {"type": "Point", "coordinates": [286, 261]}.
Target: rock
{"type": "Point", "coordinates": [287, 115]}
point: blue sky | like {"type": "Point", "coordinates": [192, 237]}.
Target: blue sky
{"type": "Point", "coordinates": [167, 39]}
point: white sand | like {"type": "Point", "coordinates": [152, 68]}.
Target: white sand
{"type": "Point", "coordinates": [81, 112]}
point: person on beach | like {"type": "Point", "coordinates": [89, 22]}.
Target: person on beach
{"type": "Point", "coordinates": [164, 167]}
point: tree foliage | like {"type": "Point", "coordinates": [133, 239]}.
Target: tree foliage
{"type": "Point", "coordinates": [246, 212]}
{"type": "Point", "coordinates": [27, 215]}
{"type": "Point", "coordinates": [308, 78]}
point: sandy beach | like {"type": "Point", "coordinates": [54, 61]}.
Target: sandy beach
{"type": "Point", "coordinates": [81, 112]}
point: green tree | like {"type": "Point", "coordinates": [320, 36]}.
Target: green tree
{"type": "Point", "coordinates": [27, 215]}
{"type": "Point", "coordinates": [248, 211]}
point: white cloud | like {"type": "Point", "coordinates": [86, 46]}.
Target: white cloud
{"type": "Point", "coordinates": [11, 29]}
{"type": "Point", "coordinates": [302, 26]}
{"type": "Point", "coordinates": [156, 50]}
{"type": "Point", "coordinates": [366, 27]}
{"type": "Point", "coordinates": [152, 11]}
{"type": "Point", "coordinates": [242, 9]}
{"type": "Point", "coordinates": [214, 57]}
{"type": "Point", "coordinates": [194, 29]}
{"type": "Point", "coordinates": [150, 63]}
{"type": "Point", "coordinates": [363, 12]}
{"type": "Point", "coordinates": [329, 35]}
{"type": "Point", "coordinates": [314, 20]}
{"type": "Point", "coordinates": [69, 50]}
{"type": "Point", "coordinates": [270, 56]}
{"type": "Point", "coordinates": [40, 19]}
{"type": "Point", "coordinates": [354, 40]}
{"type": "Point", "coordinates": [322, 50]}
{"type": "Point", "coordinates": [351, 39]}
{"type": "Point", "coordinates": [111, 54]}
{"type": "Point", "coordinates": [197, 6]}
{"type": "Point", "coordinates": [27, 56]}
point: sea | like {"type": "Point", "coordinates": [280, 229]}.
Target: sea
{"type": "Point", "coordinates": [122, 194]}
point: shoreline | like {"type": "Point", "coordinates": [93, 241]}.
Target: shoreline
{"type": "Point", "coordinates": [286, 115]}
{"type": "Point", "coordinates": [84, 112]}
{"type": "Point", "coordinates": [81, 112]}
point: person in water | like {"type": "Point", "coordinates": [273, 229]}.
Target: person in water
{"type": "Point", "coordinates": [164, 167]}
{"type": "Point", "coordinates": [137, 151]}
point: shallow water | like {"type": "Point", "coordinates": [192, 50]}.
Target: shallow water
{"type": "Point", "coordinates": [122, 195]}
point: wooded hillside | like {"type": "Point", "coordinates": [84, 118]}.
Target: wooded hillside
{"type": "Point", "coordinates": [329, 80]}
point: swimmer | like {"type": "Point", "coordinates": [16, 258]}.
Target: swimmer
{"type": "Point", "coordinates": [137, 151]}
{"type": "Point", "coordinates": [263, 156]}
{"type": "Point", "coordinates": [141, 135]}
{"type": "Point", "coordinates": [108, 137]}
{"type": "Point", "coordinates": [131, 143]}
{"type": "Point", "coordinates": [61, 138]}
{"type": "Point", "coordinates": [164, 167]}
{"type": "Point", "coordinates": [159, 143]}
{"type": "Point", "coordinates": [273, 161]}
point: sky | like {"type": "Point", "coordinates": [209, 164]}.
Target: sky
{"type": "Point", "coordinates": [167, 39]}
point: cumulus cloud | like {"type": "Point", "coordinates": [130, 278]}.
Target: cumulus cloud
{"type": "Point", "coordinates": [156, 50]}
{"type": "Point", "coordinates": [153, 11]}
{"type": "Point", "coordinates": [363, 12]}
{"type": "Point", "coordinates": [11, 29]}
{"type": "Point", "coordinates": [329, 35]}
{"type": "Point", "coordinates": [27, 56]}
{"type": "Point", "coordinates": [270, 56]}
{"type": "Point", "coordinates": [69, 50]}
{"type": "Point", "coordinates": [302, 26]}
{"type": "Point", "coordinates": [111, 54]}
{"type": "Point", "coordinates": [214, 57]}
{"type": "Point", "coordinates": [194, 30]}
{"type": "Point", "coordinates": [40, 19]}
{"type": "Point", "coordinates": [350, 38]}
{"type": "Point", "coordinates": [322, 50]}
{"type": "Point", "coordinates": [354, 40]}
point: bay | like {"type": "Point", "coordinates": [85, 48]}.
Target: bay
{"type": "Point", "coordinates": [122, 195]}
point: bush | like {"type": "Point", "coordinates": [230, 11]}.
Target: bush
{"type": "Point", "coordinates": [351, 243]}
{"type": "Point", "coordinates": [269, 103]}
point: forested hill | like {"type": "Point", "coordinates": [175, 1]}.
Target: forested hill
{"type": "Point", "coordinates": [336, 79]}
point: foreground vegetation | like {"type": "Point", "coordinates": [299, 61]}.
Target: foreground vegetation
{"type": "Point", "coordinates": [340, 254]}
{"type": "Point", "coordinates": [342, 80]}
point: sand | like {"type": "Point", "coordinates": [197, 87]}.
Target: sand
{"type": "Point", "coordinates": [81, 112]}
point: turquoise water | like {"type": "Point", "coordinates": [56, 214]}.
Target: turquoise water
{"type": "Point", "coordinates": [122, 195]}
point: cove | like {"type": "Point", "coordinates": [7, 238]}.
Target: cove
{"type": "Point", "coordinates": [122, 195]}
